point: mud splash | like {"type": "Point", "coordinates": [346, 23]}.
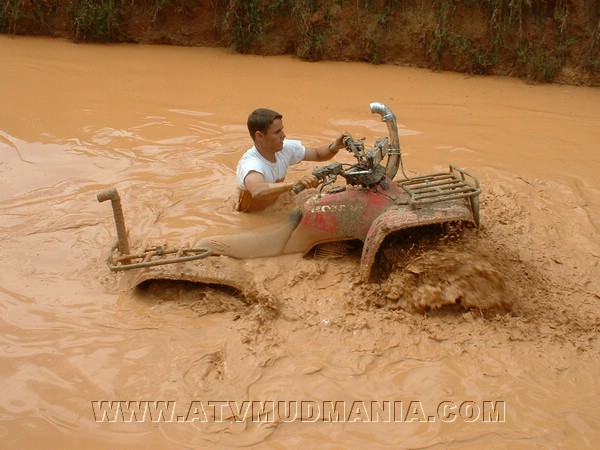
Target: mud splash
{"type": "Point", "coordinates": [439, 276]}
{"type": "Point", "coordinates": [508, 316]}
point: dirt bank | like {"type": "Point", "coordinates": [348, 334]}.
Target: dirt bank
{"type": "Point", "coordinates": [537, 40]}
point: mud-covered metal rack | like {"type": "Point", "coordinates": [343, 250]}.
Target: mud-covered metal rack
{"type": "Point", "coordinates": [156, 256]}
{"type": "Point", "coordinates": [439, 187]}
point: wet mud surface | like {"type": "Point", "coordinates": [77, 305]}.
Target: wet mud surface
{"type": "Point", "coordinates": [508, 314]}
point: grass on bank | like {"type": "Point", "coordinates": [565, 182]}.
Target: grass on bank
{"type": "Point", "coordinates": [533, 39]}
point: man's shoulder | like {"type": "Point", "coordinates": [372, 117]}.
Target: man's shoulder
{"type": "Point", "coordinates": [292, 144]}
{"type": "Point", "coordinates": [250, 161]}
{"type": "Point", "coordinates": [250, 153]}
{"type": "Point", "coordinates": [293, 151]}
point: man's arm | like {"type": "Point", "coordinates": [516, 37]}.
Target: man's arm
{"type": "Point", "coordinates": [325, 152]}
{"type": "Point", "coordinates": [255, 183]}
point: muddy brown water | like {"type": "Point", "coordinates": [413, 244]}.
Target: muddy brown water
{"type": "Point", "coordinates": [165, 125]}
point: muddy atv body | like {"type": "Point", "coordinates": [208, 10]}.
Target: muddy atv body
{"type": "Point", "coordinates": [370, 206]}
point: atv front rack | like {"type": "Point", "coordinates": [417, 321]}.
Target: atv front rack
{"type": "Point", "coordinates": [156, 256]}
{"type": "Point", "coordinates": [455, 184]}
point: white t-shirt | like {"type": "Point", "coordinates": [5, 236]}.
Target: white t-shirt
{"type": "Point", "coordinates": [292, 153]}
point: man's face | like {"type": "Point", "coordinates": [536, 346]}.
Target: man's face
{"type": "Point", "coordinates": [272, 140]}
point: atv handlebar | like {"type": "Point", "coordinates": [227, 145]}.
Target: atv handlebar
{"type": "Point", "coordinates": [367, 171]}
{"type": "Point", "coordinates": [326, 175]}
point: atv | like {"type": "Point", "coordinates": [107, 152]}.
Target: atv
{"type": "Point", "coordinates": [370, 206]}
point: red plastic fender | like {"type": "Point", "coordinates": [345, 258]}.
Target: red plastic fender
{"type": "Point", "coordinates": [401, 218]}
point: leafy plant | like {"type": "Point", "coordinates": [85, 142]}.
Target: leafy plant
{"type": "Point", "coordinates": [243, 19]}
{"type": "Point", "coordinates": [97, 20]}
{"type": "Point", "coordinates": [537, 63]}
{"type": "Point", "coordinates": [9, 16]}
{"type": "Point", "coordinates": [13, 12]}
{"type": "Point", "coordinates": [310, 24]}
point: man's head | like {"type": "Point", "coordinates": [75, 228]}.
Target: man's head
{"type": "Point", "coordinates": [260, 119]}
{"type": "Point", "coordinates": [266, 128]}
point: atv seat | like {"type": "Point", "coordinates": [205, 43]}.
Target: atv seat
{"type": "Point", "coordinates": [255, 243]}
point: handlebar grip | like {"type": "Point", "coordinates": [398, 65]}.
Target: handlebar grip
{"type": "Point", "coordinates": [298, 188]}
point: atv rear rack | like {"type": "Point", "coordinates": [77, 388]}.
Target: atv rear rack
{"type": "Point", "coordinates": [455, 184]}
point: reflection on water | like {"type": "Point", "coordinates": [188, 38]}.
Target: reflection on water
{"type": "Point", "coordinates": [165, 125]}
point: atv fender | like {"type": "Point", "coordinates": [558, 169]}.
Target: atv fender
{"type": "Point", "coordinates": [214, 270]}
{"type": "Point", "coordinates": [405, 217]}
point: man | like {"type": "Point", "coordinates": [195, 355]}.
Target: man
{"type": "Point", "coordinates": [261, 170]}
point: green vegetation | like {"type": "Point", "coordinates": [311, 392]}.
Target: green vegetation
{"type": "Point", "coordinates": [97, 20]}
{"type": "Point", "coordinates": [532, 39]}
{"type": "Point", "coordinates": [244, 20]}
{"type": "Point", "coordinates": [14, 13]}
{"type": "Point", "coordinates": [592, 64]}
{"type": "Point", "coordinates": [309, 24]}
{"type": "Point", "coordinates": [10, 15]}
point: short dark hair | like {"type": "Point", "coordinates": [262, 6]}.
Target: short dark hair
{"type": "Point", "coordinates": [260, 119]}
